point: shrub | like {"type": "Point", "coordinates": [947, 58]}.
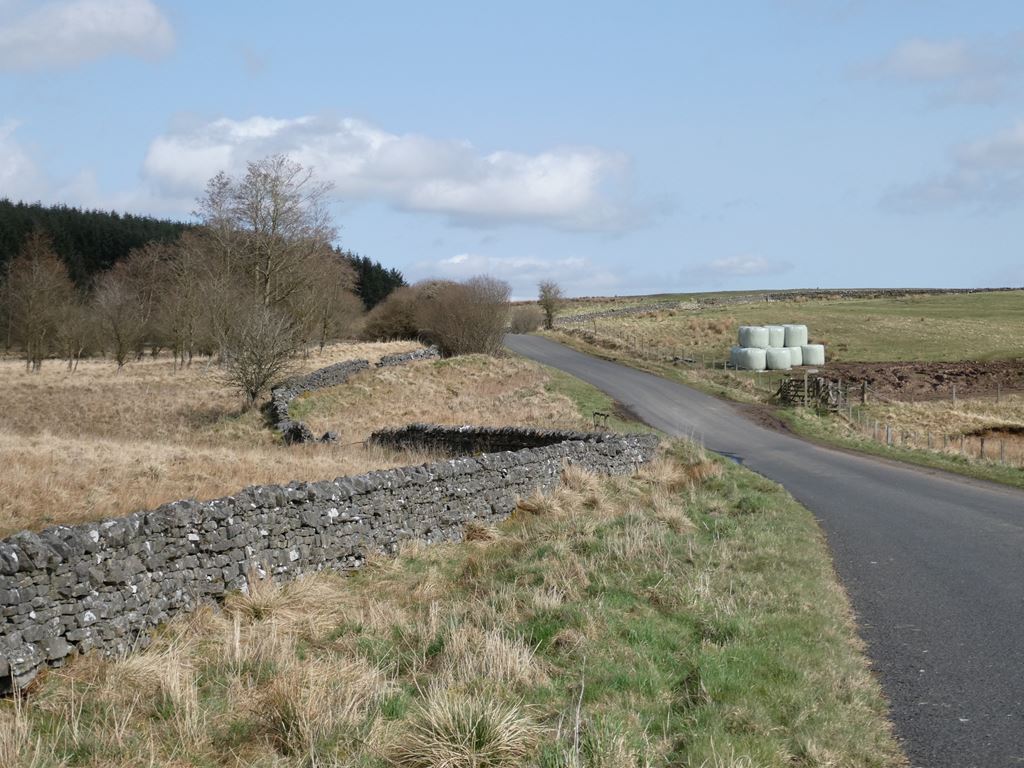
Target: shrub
{"type": "Point", "coordinates": [527, 319]}
{"type": "Point", "coordinates": [464, 318]}
{"type": "Point", "coordinates": [393, 318]}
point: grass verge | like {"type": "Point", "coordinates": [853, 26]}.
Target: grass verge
{"type": "Point", "coordinates": [685, 616]}
{"type": "Point", "coordinates": [824, 429]}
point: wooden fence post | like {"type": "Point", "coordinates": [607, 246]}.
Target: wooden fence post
{"type": "Point", "coordinates": [981, 453]}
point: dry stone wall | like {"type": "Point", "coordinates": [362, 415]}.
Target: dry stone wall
{"type": "Point", "coordinates": [104, 586]}
{"type": "Point", "coordinates": [281, 397]}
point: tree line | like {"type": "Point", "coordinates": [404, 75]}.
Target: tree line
{"type": "Point", "coordinates": [90, 242]}
{"type": "Point", "coordinates": [257, 280]}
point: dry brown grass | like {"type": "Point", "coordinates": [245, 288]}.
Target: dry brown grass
{"type": "Point", "coordinates": [474, 389]}
{"type": "Point", "coordinates": [96, 443]}
{"type": "Point", "coordinates": [956, 428]}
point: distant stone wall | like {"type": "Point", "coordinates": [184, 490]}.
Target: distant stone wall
{"type": "Point", "coordinates": [470, 440]}
{"type": "Point", "coordinates": [281, 397]}
{"type": "Point", "coordinates": [427, 353]}
{"type": "Point", "coordinates": [103, 586]}
{"type": "Point", "coordinates": [762, 298]}
{"type": "Point", "coordinates": [637, 309]}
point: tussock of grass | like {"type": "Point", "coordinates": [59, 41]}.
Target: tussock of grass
{"type": "Point", "coordinates": [688, 617]}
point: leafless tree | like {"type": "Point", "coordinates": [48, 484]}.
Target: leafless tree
{"type": "Point", "coordinates": [271, 223]}
{"type": "Point", "coordinates": [76, 333]}
{"type": "Point", "coordinates": [121, 316]}
{"type": "Point", "coordinates": [37, 291]}
{"type": "Point", "coordinates": [550, 300]}
{"type": "Point", "coordinates": [257, 350]}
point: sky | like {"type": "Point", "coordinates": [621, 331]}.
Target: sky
{"type": "Point", "coordinates": [616, 148]}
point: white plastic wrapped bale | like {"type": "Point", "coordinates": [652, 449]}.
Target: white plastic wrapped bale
{"type": "Point", "coordinates": [796, 335]}
{"type": "Point", "coordinates": [814, 354]}
{"type": "Point", "coordinates": [796, 356]}
{"type": "Point", "coordinates": [752, 359]}
{"type": "Point", "coordinates": [733, 352]}
{"type": "Point", "coordinates": [776, 336]}
{"type": "Point", "coordinates": [753, 336]}
{"type": "Point", "coordinates": [778, 359]}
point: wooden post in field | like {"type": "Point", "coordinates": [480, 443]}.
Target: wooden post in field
{"type": "Point", "coordinates": [929, 440]}
{"type": "Point", "coordinates": [1002, 452]}
{"type": "Point", "coordinates": [961, 445]}
{"type": "Point", "coordinates": [863, 393]}
{"type": "Point", "coordinates": [945, 442]}
{"type": "Point", "coordinates": [981, 453]}
{"type": "Point", "coordinates": [999, 392]}
{"type": "Point", "coordinates": [954, 394]}
{"type": "Point", "coordinates": [806, 401]}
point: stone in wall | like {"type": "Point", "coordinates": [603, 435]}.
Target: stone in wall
{"type": "Point", "coordinates": [103, 586]}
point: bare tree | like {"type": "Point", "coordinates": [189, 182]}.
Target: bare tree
{"type": "Point", "coordinates": [271, 223]}
{"type": "Point", "coordinates": [76, 332]}
{"type": "Point", "coordinates": [193, 280]}
{"type": "Point", "coordinates": [257, 350]}
{"type": "Point", "coordinates": [550, 299]}
{"type": "Point", "coordinates": [37, 291]}
{"type": "Point", "coordinates": [324, 306]}
{"type": "Point", "coordinates": [121, 315]}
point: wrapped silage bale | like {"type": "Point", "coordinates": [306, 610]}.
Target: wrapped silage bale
{"type": "Point", "coordinates": [776, 336]}
{"type": "Point", "coordinates": [813, 354]}
{"type": "Point", "coordinates": [796, 335]}
{"type": "Point", "coordinates": [753, 336]}
{"type": "Point", "coordinates": [752, 358]}
{"type": "Point", "coordinates": [796, 356]}
{"type": "Point", "coordinates": [733, 352]}
{"type": "Point", "coordinates": [778, 359]}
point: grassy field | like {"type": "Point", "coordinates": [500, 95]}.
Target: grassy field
{"type": "Point", "coordinates": [685, 616]}
{"type": "Point", "coordinates": [97, 443]}
{"type": "Point", "coordinates": [979, 326]}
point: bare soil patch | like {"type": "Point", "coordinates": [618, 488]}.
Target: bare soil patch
{"type": "Point", "coordinates": [933, 381]}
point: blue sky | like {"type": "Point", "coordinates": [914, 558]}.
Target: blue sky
{"type": "Point", "coordinates": [617, 148]}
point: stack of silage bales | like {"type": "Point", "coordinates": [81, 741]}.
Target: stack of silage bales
{"type": "Point", "coordinates": [775, 348]}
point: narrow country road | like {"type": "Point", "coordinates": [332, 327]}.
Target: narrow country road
{"type": "Point", "coordinates": [933, 563]}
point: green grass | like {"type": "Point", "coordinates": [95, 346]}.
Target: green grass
{"type": "Point", "coordinates": [589, 399]}
{"type": "Point", "coordinates": [977, 326]}
{"type": "Point", "coordinates": [937, 327]}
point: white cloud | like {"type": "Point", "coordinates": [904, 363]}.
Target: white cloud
{"type": "Point", "coordinates": [20, 178]}
{"type": "Point", "coordinates": [955, 71]}
{"type": "Point", "coordinates": [928, 60]}
{"type": "Point", "coordinates": [575, 188]}
{"type": "Point", "coordinates": [987, 174]}
{"type": "Point", "coordinates": [577, 276]}
{"type": "Point", "coordinates": [732, 269]}
{"type": "Point", "coordinates": [64, 33]}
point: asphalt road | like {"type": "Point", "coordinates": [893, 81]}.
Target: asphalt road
{"type": "Point", "coordinates": [933, 563]}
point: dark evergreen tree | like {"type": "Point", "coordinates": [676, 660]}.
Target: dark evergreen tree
{"type": "Point", "coordinates": [89, 242]}
{"type": "Point", "coordinates": [373, 281]}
